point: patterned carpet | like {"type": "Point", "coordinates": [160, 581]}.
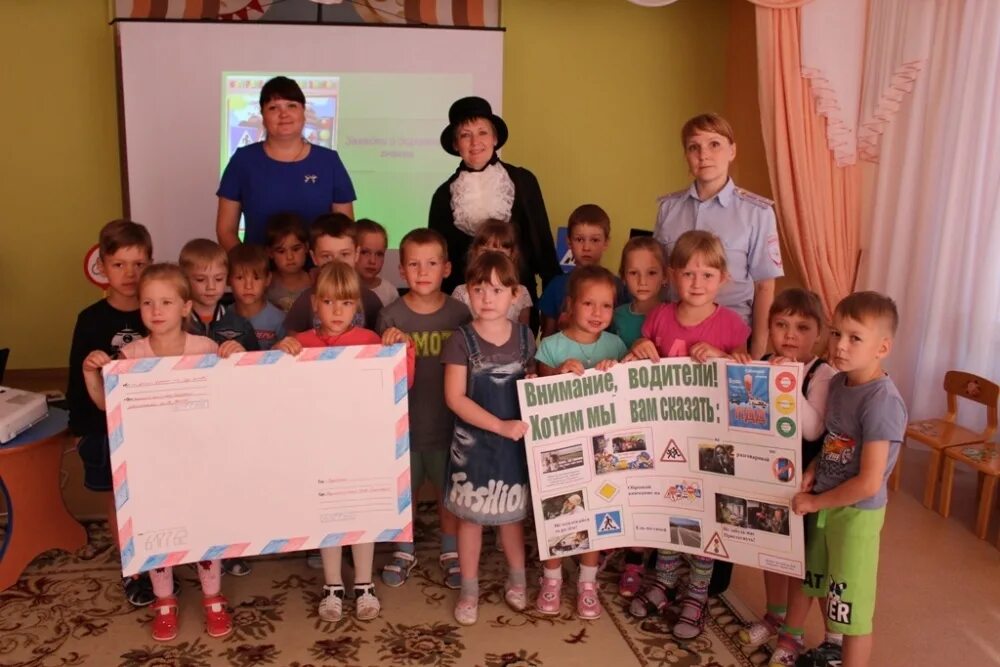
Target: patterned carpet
{"type": "Point", "coordinates": [68, 609]}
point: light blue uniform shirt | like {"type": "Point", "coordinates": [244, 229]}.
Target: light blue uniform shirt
{"type": "Point", "coordinates": [745, 224]}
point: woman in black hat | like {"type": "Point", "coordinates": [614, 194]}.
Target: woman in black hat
{"type": "Point", "coordinates": [484, 188]}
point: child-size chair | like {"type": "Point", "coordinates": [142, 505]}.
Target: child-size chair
{"type": "Point", "coordinates": [943, 433]}
{"type": "Point", "coordinates": [985, 459]}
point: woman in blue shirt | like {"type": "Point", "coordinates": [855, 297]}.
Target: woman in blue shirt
{"type": "Point", "coordinates": [282, 174]}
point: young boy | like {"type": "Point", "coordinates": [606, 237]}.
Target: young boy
{"type": "Point", "coordinates": [589, 230]}
{"type": "Point", "coordinates": [249, 278]}
{"type": "Point", "coordinates": [844, 489]}
{"type": "Point", "coordinates": [428, 316]}
{"type": "Point", "coordinates": [372, 243]}
{"type": "Point", "coordinates": [332, 237]}
{"type": "Point", "coordinates": [207, 266]}
{"type": "Point", "coordinates": [108, 325]}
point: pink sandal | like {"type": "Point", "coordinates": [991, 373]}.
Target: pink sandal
{"type": "Point", "coordinates": [588, 603]}
{"type": "Point", "coordinates": [549, 599]}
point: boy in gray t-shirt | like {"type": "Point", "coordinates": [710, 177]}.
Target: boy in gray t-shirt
{"type": "Point", "coordinates": [428, 317]}
{"type": "Point", "coordinates": [844, 489]}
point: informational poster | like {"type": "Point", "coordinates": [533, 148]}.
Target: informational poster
{"type": "Point", "coordinates": [259, 453]}
{"type": "Point", "coordinates": [699, 458]}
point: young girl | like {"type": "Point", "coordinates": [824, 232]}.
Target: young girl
{"type": "Point", "coordinates": [502, 237]}
{"type": "Point", "coordinates": [795, 322]}
{"type": "Point", "coordinates": [165, 305]}
{"type": "Point", "coordinates": [372, 243]}
{"type": "Point", "coordinates": [583, 344]}
{"type": "Point", "coordinates": [644, 270]}
{"type": "Point", "coordinates": [697, 327]}
{"type": "Point", "coordinates": [287, 242]}
{"type": "Point", "coordinates": [487, 473]}
{"type": "Point", "coordinates": [335, 300]}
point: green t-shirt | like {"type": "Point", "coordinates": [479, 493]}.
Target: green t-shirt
{"type": "Point", "coordinates": [627, 325]}
{"type": "Point", "coordinates": [558, 348]}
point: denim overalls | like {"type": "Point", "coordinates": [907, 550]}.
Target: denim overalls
{"type": "Point", "coordinates": [487, 474]}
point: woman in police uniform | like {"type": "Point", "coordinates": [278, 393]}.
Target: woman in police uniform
{"type": "Point", "coordinates": [747, 227]}
{"type": "Point", "coordinates": [745, 223]}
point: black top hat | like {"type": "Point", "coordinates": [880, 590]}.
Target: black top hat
{"type": "Point", "coordinates": [464, 109]}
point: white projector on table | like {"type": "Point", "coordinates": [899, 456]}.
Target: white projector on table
{"type": "Point", "coordinates": [19, 411]}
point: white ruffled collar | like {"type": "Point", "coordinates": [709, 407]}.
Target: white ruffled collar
{"type": "Point", "coordinates": [478, 196]}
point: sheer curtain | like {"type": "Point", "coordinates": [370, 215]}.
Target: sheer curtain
{"type": "Point", "coordinates": [934, 231]}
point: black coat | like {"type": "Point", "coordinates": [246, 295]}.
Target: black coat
{"type": "Point", "coordinates": [536, 247]}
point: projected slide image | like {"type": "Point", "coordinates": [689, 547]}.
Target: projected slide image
{"type": "Point", "coordinates": [242, 121]}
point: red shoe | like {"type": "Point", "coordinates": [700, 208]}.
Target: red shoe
{"type": "Point", "coordinates": [218, 622]}
{"type": "Point", "coordinates": [165, 623]}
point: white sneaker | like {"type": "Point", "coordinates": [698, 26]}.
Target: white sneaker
{"type": "Point", "coordinates": [331, 607]}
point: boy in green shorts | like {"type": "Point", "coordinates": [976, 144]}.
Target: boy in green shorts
{"type": "Point", "coordinates": [844, 489]}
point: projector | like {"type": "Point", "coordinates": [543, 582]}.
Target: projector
{"type": "Point", "coordinates": [19, 411]}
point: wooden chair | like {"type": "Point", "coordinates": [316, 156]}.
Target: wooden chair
{"type": "Point", "coordinates": [985, 459]}
{"type": "Point", "coordinates": [944, 433]}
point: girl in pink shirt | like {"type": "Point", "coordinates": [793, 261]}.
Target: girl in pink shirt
{"type": "Point", "coordinates": [165, 305]}
{"type": "Point", "coordinates": [697, 327]}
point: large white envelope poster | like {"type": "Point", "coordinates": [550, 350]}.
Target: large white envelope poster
{"type": "Point", "coordinates": [259, 453]}
{"type": "Point", "coordinates": [701, 458]}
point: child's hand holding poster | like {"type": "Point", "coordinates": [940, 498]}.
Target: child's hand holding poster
{"type": "Point", "coordinates": [702, 458]}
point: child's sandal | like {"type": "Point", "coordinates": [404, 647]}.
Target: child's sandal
{"type": "Point", "coordinates": [692, 619]}
{"type": "Point", "coordinates": [516, 597]}
{"type": "Point", "coordinates": [452, 572]}
{"type": "Point", "coordinates": [331, 605]}
{"type": "Point", "coordinates": [366, 606]}
{"type": "Point", "coordinates": [218, 622]}
{"type": "Point", "coordinates": [549, 600]}
{"type": "Point", "coordinates": [165, 623]}
{"type": "Point", "coordinates": [467, 611]}
{"type": "Point", "coordinates": [397, 571]}
{"type": "Point", "coordinates": [651, 600]}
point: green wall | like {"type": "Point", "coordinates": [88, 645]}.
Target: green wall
{"type": "Point", "coordinates": [595, 94]}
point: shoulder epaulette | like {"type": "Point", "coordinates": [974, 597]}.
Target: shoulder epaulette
{"type": "Point", "coordinates": [673, 195]}
{"type": "Point", "coordinates": [753, 198]}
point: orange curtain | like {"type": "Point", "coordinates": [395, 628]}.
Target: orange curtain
{"type": "Point", "coordinates": [780, 4]}
{"type": "Point", "coordinates": [818, 203]}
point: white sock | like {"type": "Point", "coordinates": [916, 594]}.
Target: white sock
{"type": "Point", "coordinates": [554, 573]}
{"type": "Point", "coordinates": [588, 573]}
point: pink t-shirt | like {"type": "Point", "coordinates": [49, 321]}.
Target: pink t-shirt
{"type": "Point", "coordinates": [138, 349]}
{"type": "Point", "coordinates": [723, 329]}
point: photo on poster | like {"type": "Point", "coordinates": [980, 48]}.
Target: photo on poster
{"type": "Point", "coordinates": [569, 543]}
{"type": "Point", "coordinates": [749, 397]}
{"type": "Point", "coordinates": [685, 531]}
{"type": "Point", "coordinates": [563, 458]}
{"type": "Point", "coordinates": [731, 510]}
{"type": "Point", "coordinates": [565, 504]}
{"type": "Point", "coordinates": [768, 517]}
{"type": "Point", "coordinates": [622, 451]}
{"type": "Point", "coordinates": [718, 458]}
{"type": "Point", "coordinates": [753, 514]}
